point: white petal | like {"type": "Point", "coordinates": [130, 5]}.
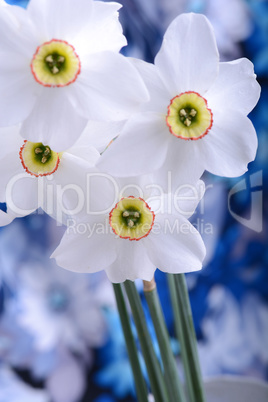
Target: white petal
{"type": "Point", "coordinates": [182, 200]}
{"type": "Point", "coordinates": [230, 145]}
{"type": "Point", "coordinates": [177, 247]}
{"type": "Point", "coordinates": [188, 197]}
{"type": "Point", "coordinates": [53, 121]}
{"type": "Point", "coordinates": [10, 166]}
{"type": "Point", "coordinates": [159, 95]}
{"type": "Point", "coordinates": [67, 381]}
{"type": "Point", "coordinates": [18, 90]}
{"type": "Point", "coordinates": [236, 87]}
{"type": "Point", "coordinates": [103, 32]}
{"type": "Point", "coordinates": [182, 165]}
{"type": "Point", "coordinates": [70, 180]}
{"type": "Point", "coordinates": [83, 150]}
{"type": "Point", "coordinates": [100, 134]}
{"type": "Point", "coordinates": [108, 88]}
{"type": "Point", "coordinates": [79, 189]}
{"type": "Point", "coordinates": [60, 19]}
{"type": "Point", "coordinates": [7, 18]}
{"type": "Point", "coordinates": [141, 147]}
{"type": "Point", "coordinates": [136, 186]}
{"type": "Point", "coordinates": [18, 34]}
{"type": "Point", "coordinates": [85, 147]}
{"type": "Point", "coordinates": [103, 10]}
{"type": "Point", "coordinates": [10, 139]}
{"type": "Point", "coordinates": [80, 253]}
{"type": "Point", "coordinates": [22, 199]}
{"type": "Point", "coordinates": [132, 263]}
{"type": "Point", "coordinates": [188, 59]}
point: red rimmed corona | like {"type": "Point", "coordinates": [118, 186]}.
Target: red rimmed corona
{"type": "Point", "coordinates": [38, 159]}
{"type": "Point", "coordinates": [131, 218]}
{"type": "Point", "coordinates": [189, 117]}
{"type": "Point", "coordinates": [55, 64]}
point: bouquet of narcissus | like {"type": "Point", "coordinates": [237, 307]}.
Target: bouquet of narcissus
{"type": "Point", "coordinates": [94, 139]}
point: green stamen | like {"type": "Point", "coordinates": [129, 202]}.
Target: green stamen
{"type": "Point", "coordinates": [131, 217]}
{"type": "Point", "coordinates": [187, 116]}
{"type": "Point", "coordinates": [55, 62]}
{"type": "Point", "coordinates": [42, 153]}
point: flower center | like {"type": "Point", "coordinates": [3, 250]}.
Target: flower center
{"type": "Point", "coordinates": [58, 299]}
{"type": "Point", "coordinates": [55, 64]}
{"type": "Point", "coordinates": [38, 159]}
{"type": "Point", "coordinates": [131, 218]}
{"type": "Point", "coordinates": [189, 117]}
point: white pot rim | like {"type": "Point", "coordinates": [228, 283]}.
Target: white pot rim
{"type": "Point", "coordinates": [228, 388]}
{"type": "Point", "coordinates": [235, 379]}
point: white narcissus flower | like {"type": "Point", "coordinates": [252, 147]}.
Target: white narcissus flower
{"type": "Point", "coordinates": [229, 18]}
{"type": "Point", "coordinates": [196, 118]}
{"type": "Point", "coordinates": [57, 306]}
{"type": "Point", "coordinates": [60, 67]}
{"type": "Point", "coordinates": [133, 236]}
{"type": "Point", "coordinates": [33, 175]}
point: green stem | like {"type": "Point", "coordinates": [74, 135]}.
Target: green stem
{"type": "Point", "coordinates": [179, 332]}
{"type": "Point", "coordinates": [153, 367]}
{"type": "Point", "coordinates": [189, 336]}
{"type": "Point", "coordinates": [141, 387]}
{"type": "Point", "coordinates": [172, 379]}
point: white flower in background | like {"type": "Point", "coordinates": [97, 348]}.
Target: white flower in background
{"type": "Point", "coordinates": [229, 18]}
{"type": "Point", "coordinates": [134, 235]}
{"type": "Point", "coordinates": [196, 118]}
{"type": "Point", "coordinates": [62, 67]}
{"type": "Point", "coordinates": [6, 218]}
{"type": "Point", "coordinates": [59, 309]}
{"type": "Point", "coordinates": [17, 347]}
{"type": "Point", "coordinates": [11, 251]}
{"type": "Point", "coordinates": [62, 306]}
{"type": "Point", "coordinates": [235, 335]}
{"type": "Point", "coordinates": [68, 381]}
{"type": "Point", "coordinates": [62, 371]}
{"type": "Point", "coordinates": [13, 389]}
{"type": "Point", "coordinates": [255, 319]}
{"type": "Point", "coordinates": [232, 23]}
{"type": "Point", "coordinates": [33, 175]}
{"type": "Point", "coordinates": [224, 347]}
{"type": "Point", "coordinates": [210, 220]}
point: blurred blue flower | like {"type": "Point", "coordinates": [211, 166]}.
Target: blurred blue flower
{"type": "Point", "coordinates": [115, 373]}
{"type": "Point", "coordinates": [144, 23]}
{"type": "Point", "coordinates": [235, 335]}
{"type": "Point", "coordinates": [257, 45]}
{"type": "Point", "coordinates": [105, 398]}
{"type": "Point", "coordinates": [21, 3]}
{"type": "Point", "coordinates": [58, 308]}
